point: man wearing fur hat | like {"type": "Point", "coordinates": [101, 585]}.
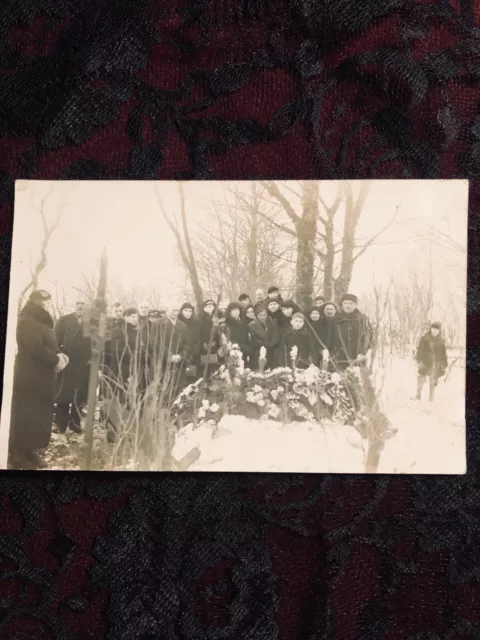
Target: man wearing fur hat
{"type": "Point", "coordinates": [432, 360]}
{"type": "Point", "coordinates": [353, 334]}
{"type": "Point", "coordinates": [72, 383]}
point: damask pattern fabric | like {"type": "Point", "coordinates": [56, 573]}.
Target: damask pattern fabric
{"type": "Point", "coordinates": [237, 89]}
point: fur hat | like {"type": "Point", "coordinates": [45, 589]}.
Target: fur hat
{"type": "Point", "coordinates": [289, 304]}
{"type": "Point", "coordinates": [349, 297]}
{"type": "Point", "coordinates": [209, 301]}
{"type": "Point", "coordinates": [330, 303]}
{"type": "Point", "coordinates": [272, 290]}
{"type": "Point", "coordinates": [187, 305]}
{"type": "Point", "coordinates": [39, 295]}
{"type": "Point", "coordinates": [243, 296]}
{"type": "Point", "coordinates": [298, 314]}
{"type": "Point", "coordinates": [436, 325]}
{"type": "Point", "coordinates": [129, 311]}
{"type": "Point", "coordinates": [314, 308]}
{"type": "Point", "coordinates": [231, 306]}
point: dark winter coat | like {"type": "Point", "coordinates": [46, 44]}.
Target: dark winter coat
{"type": "Point", "coordinates": [353, 337]}
{"type": "Point", "coordinates": [315, 327]}
{"type": "Point", "coordinates": [305, 343]}
{"type": "Point", "coordinates": [263, 335]}
{"type": "Point", "coordinates": [115, 329]}
{"type": "Point", "coordinates": [173, 340]}
{"type": "Point", "coordinates": [33, 380]}
{"type": "Point", "coordinates": [238, 332]}
{"type": "Point", "coordinates": [128, 355]}
{"type": "Point", "coordinates": [72, 382]}
{"type": "Point", "coordinates": [193, 337]}
{"type": "Point", "coordinates": [209, 335]}
{"type": "Point", "coordinates": [431, 356]}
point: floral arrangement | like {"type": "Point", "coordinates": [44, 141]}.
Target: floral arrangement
{"type": "Point", "coordinates": [286, 394]}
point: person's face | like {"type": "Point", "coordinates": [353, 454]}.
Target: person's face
{"type": "Point", "coordinates": [222, 306]}
{"type": "Point", "coordinates": [273, 306]}
{"type": "Point", "coordinates": [117, 312]}
{"type": "Point", "coordinates": [315, 316]}
{"type": "Point", "coordinates": [209, 309]}
{"type": "Point", "coordinates": [273, 295]}
{"type": "Point", "coordinates": [80, 308]}
{"type": "Point", "coordinates": [173, 314]}
{"type": "Point", "coordinates": [153, 319]}
{"type": "Point", "coordinates": [287, 311]}
{"type": "Point", "coordinates": [235, 313]}
{"type": "Point", "coordinates": [348, 306]}
{"type": "Point", "coordinates": [319, 302]}
{"type": "Point", "coordinates": [260, 296]}
{"type": "Point", "coordinates": [132, 319]}
{"type": "Point", "coordinates": [329, 311]}
{"type": "Point", "coordinates": [143, 309]}
{"type": "Point", "coordinates": [262, 316]}
{"type": "Point", "coordinates": [187, 313]}
{"type": "Point", "coordinates": [435, 332]}
{"type": "Point", "coordinates": [250, 313]}
{"type": "Point", "coordinates": [245, 303]}
{"type": "Point", "coordinates": [297, 323]}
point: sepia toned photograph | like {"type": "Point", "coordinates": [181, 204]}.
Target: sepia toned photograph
{"type": "Point", "coordinates": [255, 326]}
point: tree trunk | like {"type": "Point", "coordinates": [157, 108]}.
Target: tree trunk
{"type": "Point", "coordinates": [252, 252]}
{"type": "Point", "coordinates": [306, 234]}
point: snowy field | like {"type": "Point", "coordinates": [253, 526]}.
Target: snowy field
{"type": "Point", "coordinates": [430, 437]}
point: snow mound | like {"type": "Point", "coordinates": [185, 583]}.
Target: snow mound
{"type": "Point", "coordinates": [240, 444]}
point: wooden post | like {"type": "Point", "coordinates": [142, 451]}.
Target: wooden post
{"type": "Point", "coordinates": [95, 327]}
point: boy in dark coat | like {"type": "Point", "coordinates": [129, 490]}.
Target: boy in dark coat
{"type": "Point", "coordinates": [38, 358]}
{"type": "Point", "coordinates": [288, 308]}
{"type": "Point", "coordinates": [237, 331]}
{"type": "Point", "coordinates": [263, 333]}
{"type": "Point", "coordinates": [275, 314]}
{"type": "Point", "coordinates": [298, 336]}
{"type": "Point", "coordinates": [194, 344]}
{"type": "Point", "coordinates": [353, 334]}
{"type": "Point", "coordinates": [210, 338]}
{"type": "Point", "coordinates": [72, 383]}
{"type": "Point", "coordinates": [432, 360]}
{"type": "Point", "coordinates": [314, 324]}
{"type": "Point", "coordinates": [327, 331]}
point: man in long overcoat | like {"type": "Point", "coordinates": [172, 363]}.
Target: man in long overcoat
{"type": "Point", "coordinates": [353, 336]}
{"type": "Point", "coordinates": [38, 358]}
{"type": "Point", "coordinates": [72, 383]}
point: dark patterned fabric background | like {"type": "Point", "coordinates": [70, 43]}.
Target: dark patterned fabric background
{"type": "Point", "coordinates": [212, 89]}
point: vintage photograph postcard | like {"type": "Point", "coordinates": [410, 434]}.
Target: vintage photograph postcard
{"type": "Point", "coordinates": [262, 326]}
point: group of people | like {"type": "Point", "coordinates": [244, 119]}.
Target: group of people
{"type": "Point", "coordinates": [52, 365]}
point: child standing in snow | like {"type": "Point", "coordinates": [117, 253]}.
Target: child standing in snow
{"type": "Point", "coordinates": [300, 337]}
{"type": "Point", "coordinates": [432, 360]}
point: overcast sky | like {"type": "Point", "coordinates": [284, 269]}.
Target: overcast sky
{"type": "Point", "coordinates": [125, 218]}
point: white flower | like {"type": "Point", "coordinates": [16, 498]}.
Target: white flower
{"type": "Point", "coordinates": [294, 352]}
{"type": "Point", "coordinates": [261, 403]}
{"type": "Point", "coordinates": [214, 407]}
{"type": "Point", "coordinates": [274, 394]}
{"type": "Point", "coordinates": [325, 355]}
{"type": "Point", "coordinates": [335, 378]}
{"type": "Point", "coordinates": [237, 382]}
{"type": "Point", "coordinates": [280, 389]}
{"type": "Point", "coordinates": [202, 413]}
{"type": "Point", "coordinates": [274, 411]}
{"type": "Point", "coordinates": [263, 353]}
{"type": "Point", "coordinates": [257, 389]}
{"type": "Point", "coordinates": [205, 404]}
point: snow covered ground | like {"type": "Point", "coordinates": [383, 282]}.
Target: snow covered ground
{"type": "Point", "coordinates": [430, 436]}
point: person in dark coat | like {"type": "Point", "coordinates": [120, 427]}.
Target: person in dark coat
{"type": "Point", "coordinates": [250, 314]}
{"type": "Point", "coordinates": [263, 333]}
{"type": "Point", "coordinates": [143, 324]}
{"type": "Point", "coordinates": [244, 300]}
{"type": "Point", "coordinates": [288, 307]}
{"type": "Point", "coordinates": [209, 335]}
{"type": "Point", "coordinates": [260, 300]}
{"type": "Point", "coordinates": [314, 324]}
{"type": "Point", "coordinates": [115, 326]}
{"type": "Point", "coordinates": [277, 317]}
{"type": "Point", "coordinates": [194, 344]}
{"type": "Point", "coordinates": [172, 354]}
{"type": "Point", "coordinates": [72, 382]}
{"type": "Point", "coordinates": [432, 360]}
{"type": "Point", "coordinates": [327, 332]}
{"type": "Point", "coordinates": [298, 336]}
{"type": "Point", "coordinates": [38, 358]}
{"type": "Point", "coordinates": [237, 331]}
{"type": "Point", "coordinates": [319, 301]}
{"type": "Point", "coordinates": [353, 334]}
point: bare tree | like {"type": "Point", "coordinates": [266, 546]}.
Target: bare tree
{"type": "Point", "coordinates": [48, 229]}
{"type": "Point", "coordinates": [182, 238]}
